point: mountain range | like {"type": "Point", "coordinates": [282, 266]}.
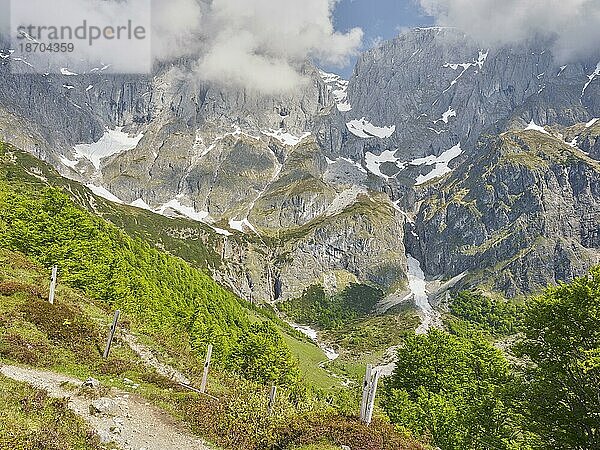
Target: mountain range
{"type": "Point", "coordinates": [480, 164]}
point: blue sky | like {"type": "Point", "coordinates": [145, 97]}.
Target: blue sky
{"type": "Point", "coordinates": [379, 19]}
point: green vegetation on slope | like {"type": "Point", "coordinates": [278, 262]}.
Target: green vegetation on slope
{"type": "Point", "coordinates": [68, 337]}
{"type": "Point", "coordinates": [367, 340]}
{"type": "Point", "coordinates": [492, 315]}
{"type": "Point", "coordinates": [463, 392]}
{"type": "Point", "coordinates": [316, 307]}
{"type": "Point", "coordinates": [454, 388]}
{"type": "Point", "coordinates": [262, 355]}
{"type": "Point", "coordinates": [562, 342]}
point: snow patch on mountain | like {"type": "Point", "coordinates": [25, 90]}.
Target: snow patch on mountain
{"type": "Point", "coordinates": [417, 286]}
{"type": "Point", "coordinates": [446, 116]}
{"type": "Point", "coordinates": [111, 143]}
{"type": "Point", "coordinates": [441, 164]}
{"type": "Point", "coordinates": [591, 123]}
{"type": "Point", "coordinates": [562, 69]}
{"type": "Point", "coordinates": [313, 335]}
{"type": "Point", "coordinates": [476, 63]}
{"type": "Point", "coordinates": [241, 225]}
{"type": "Point", "coordinates": [187, 211]}
{"type": "Point", "coordinates": [66, 72]}
{"type": "Point", "coordinates": [374, 162]}
{"type": "Point", "coordinates": [364, 129]}
{"type": "Point", "coordinates": [203, 149]}
{"type": "Point", "coordinates": [591, 78]}
{"type": "Point", "coordinates": [104, 193]}
{"type": "Point", "coordinates": [141, 204]}
{"type": "Point", "coordinates": [221, 231]}
{"type": "Point", "coordinates": [285, 137]}
{"type": "Point", "coordinates": [535, 127]}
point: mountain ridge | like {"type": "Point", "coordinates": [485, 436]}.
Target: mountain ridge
{"type": "Point", "coordinates": [414, 114]}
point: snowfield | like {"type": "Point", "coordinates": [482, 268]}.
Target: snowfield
{"type": "Point", "coordinates": [446, 116]}
{"type": "Point", "coordinates": [364, 129]}
{"type": "Point", "coordinates": [104, 193]}
{"type": "Point", "coordinates": [441, 164]}
{"type": "Point", "coordinates": [111, 143]}
{"type": "Point", "coordinates": [285, 137]}
{"type": "Point", "coordinates": [241, 225]}
{"type": "Point", "coordinates": [187, 211]}
{"type": "Point", "coordinates": [534, 127]}
{"type": "Point", "coordinates": [374, 162]}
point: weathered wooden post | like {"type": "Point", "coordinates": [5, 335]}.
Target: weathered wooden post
{"type": "Point", "coordinates": [272, 399]}
{"type": "Point", "coordinates": [111, 335]}
{"type": "Point", "coordinates": [206, 366]}
{"type": "Point", "coordinates": [365, 394]}
{"type": "Point", "coordinates": [53, 284]}
{"type": "Point", "coordinates": [371, 401]}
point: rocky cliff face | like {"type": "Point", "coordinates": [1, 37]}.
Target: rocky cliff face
{"type": "Point", "coordinates": [523, 215]}
{"type": "Point", "coordinates": [425, 144]}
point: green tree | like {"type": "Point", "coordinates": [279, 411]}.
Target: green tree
{"type": "Point", "coordinates": [453, 389]}
{"type": "Point", "coordinates": [562, 384]}
{"type": "Point", "coordinates": [262, 355]}
{"type": "Point", "coordinates": [492, 315]}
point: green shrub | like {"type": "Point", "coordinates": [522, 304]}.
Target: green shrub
{"type": "Point", "coordinates": [562, 341]}
{"type": "Point", "coordinates": [262, 355]}
{"type": "Point", "coordinates": [492, 315]}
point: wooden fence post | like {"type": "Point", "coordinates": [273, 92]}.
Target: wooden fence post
{"type": "Point", "coordinates": [272, 399]}
{"type": "Point", "coordinates": [206, 366]}
{"type": "Point", "coordinates": [111, 335]}
{"type": "Point", "coordinates": [371, 401]}
{"type": "Point", "coordinates": [365, 395]}
{"type": "Point", "coordinates": [53, 284]}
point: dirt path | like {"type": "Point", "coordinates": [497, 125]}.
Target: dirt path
{"type": "Point", "coordinates": [119, 417]}
{"type": "Point", "coordinates": [151, 361]}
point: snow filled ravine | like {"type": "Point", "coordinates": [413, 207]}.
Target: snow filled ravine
{"type": "Point", "coordinates": [416, 283]}
{"type": "Point", "coordinates": [331, 354]}
{"type": "Point", "coordinates": [430, 318]}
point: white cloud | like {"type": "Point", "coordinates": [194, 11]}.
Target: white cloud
{"type": "Point", "coordinates": [175, 27]}
{"type": "Point", "coordinates": [261, 43]}
{"type": "Point", "coordinates": [572, 25]}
